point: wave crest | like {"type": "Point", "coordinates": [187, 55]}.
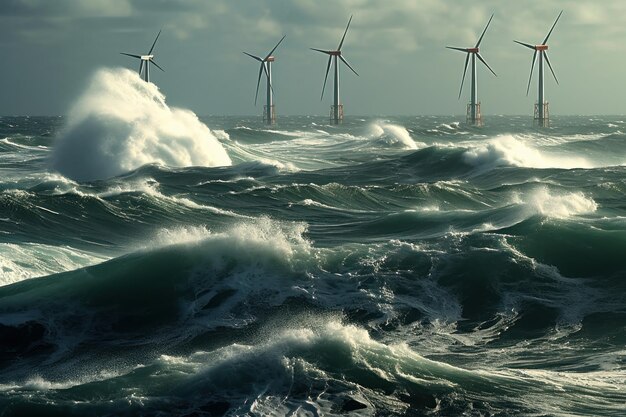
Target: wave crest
{"type": "Point", "coordinates": [509, 151]}
{"type": "Point", "coordinates": [121, 123]}
{"type": "Point", "coordinates": [392, 135]}
{"type": "Point", "coordinates": [545, 203]}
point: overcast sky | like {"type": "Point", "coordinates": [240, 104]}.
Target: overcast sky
{"type": "Point", "coordinates": [50, 49]}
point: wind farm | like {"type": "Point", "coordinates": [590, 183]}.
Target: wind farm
{"type": "Point", "coordinates": [189, 244]}
{"type": "Point", "coordinates": [473, 114]}
{"type": "Point", "coordinates": [542, 113]}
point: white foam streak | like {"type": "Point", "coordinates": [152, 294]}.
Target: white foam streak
{"type": "Point", "coordinates": [121, 123]}
{"type": "Point", "coordinates": [29, 260]}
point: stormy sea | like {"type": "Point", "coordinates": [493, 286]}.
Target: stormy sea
{"type": "Point", "coordinates": [156, 263]}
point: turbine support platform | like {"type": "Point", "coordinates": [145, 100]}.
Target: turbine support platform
{"type": "Point", "coordinates": [542, 115]}
{"type": "Point", "coordinates": [336, 114]}
{"type": "Point", "coordinates": [269, 114]}
{"type": "Point", "coordinates": [473, 116]}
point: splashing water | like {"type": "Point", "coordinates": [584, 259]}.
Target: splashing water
{"type": "Point", "coordinates": [121, 123]}
{"type": "Point", "coordinates": [508, 150]}
{"type": "Point", "coordinates": [392, 134]}
{"type": "Point", "coordinates": [546, 203]}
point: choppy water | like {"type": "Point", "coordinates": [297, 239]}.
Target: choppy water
{"type": "Point", "coordinates": [388, 266]}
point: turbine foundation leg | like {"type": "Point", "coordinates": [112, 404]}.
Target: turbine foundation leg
{"type": "Point", "coordinates": [269, 115]}
{"type": "Point", "coordinates": [336, 114]}
{"type": "Point", "coordinates": [538, 119]}
{"type": "Point", "coordinates": [473, 116]}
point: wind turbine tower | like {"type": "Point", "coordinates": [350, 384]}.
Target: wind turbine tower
{"type": "Point", "coordinates": [473, 115]}
{"type": "Point", "coordinates": [336, 110]}
{"type": "Point", "coordinates": [269, 114]}
{"type": "Point", "coordinates": [542, 114]}
{"type": "Point", "coordinates": [146, 60]}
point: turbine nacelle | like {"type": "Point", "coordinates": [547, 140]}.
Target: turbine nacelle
{"type": "Point", "coordinates": [473, 50]}
{"type": "Point", "coordinates": [146, 57]}
{"type": "Point", "coordinates": [541, 47]}
{"type": "Point", "coordinates": [269, 59]}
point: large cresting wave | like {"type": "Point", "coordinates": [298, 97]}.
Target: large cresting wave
{"type": "Point", "coordinates": [121, 123]}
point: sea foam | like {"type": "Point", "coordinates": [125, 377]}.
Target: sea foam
{"type": "Point", "coordinates": [284, 240]}
{"type": "Point", "coordinates": [546, 203]}
{"type": "Point", "coordinates": [19, 262]}
{"type": "Point", "coordinates": [392, 134]}
{"type": "Point", "coordinates": [508, 150]}
{"type": "Point", "coordinates": [121, 123]}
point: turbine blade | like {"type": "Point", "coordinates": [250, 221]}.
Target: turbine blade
{"type": "Point", "coordinates": [545, 54]}
{"type": "Point", "coordinates": [157, 65]}
{"type": "Point", "coordinates": [552, 28]}
{"type": "Point", "coordinates": [321, 50]}
{"type": "Point", "coordinates": [349, 66]}
{"type": "Point", "coordinates": [344, 34]}
{"type": "Point", "coordinates": [258, 81]}
{"type": "Point", "coordinates": [485, 62]}
{"type": "Point", "coordinates": [485, 30]}
{"type": "Point", "coordinates": [272, 51]}
{"type": "Point", "coordinates": [254, 56]}
{"type": "Point", "coordinates": [527, 45]}
{"type": "Point", "coordinates": [532, 67]}
{"type": "Point", "coordinates": [457, 49]}
{"type": "Point", "coordinates": [141, 67]}
{"type": "Point", "coordinates": [464, 72]}
{"type": "Point", "coordinates": [326, 77]}
{"type": "Point", "coordinates": [134, 56]}
{"type": "Point", "coordinates": [155, 41]}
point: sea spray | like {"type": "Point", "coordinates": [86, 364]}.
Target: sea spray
{"type": "Point", "coordinates": [275, 239]}
{"type": "Point", "coordinates": [121, 123]}
{"type": "Point", "coordinates": [392, 135]}
{"type": "Point", "coordinates": [507, 150]}
{"type": "Point", "coordinates": [546, 203]}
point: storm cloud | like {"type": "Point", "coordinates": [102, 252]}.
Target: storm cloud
{"type": "Point", "coordinates": [51, 48]}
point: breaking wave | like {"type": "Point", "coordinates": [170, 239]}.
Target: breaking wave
{"type": "Point", "coordinates": [392, 135]}
{"type": "Point", "coordinates": [121, 123]}
{"type": "Point", "coordinates": [508, 150]}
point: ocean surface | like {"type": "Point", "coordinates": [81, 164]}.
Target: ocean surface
{"type": "Point", "coordinates": [388, 266]}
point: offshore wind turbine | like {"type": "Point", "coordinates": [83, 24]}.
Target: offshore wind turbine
{"type": "Point", "coordinates": [146, 60]}
{"type": "Point", "coordinates": [269, 115]}
{"type": "Point", "coordinates": [542, 114]}
{"type": "Point", "coordinates": [473, 115]}
{"type": "Point", "coordinates": [336, 110]}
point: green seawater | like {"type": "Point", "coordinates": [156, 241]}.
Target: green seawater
{"type": "Point", "coordinates": [388, 266]}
